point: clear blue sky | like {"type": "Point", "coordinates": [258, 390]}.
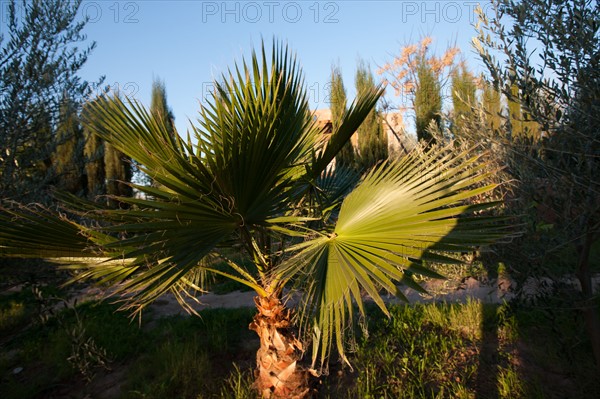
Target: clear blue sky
{"type": "Point", "coordinates": [188, 43]}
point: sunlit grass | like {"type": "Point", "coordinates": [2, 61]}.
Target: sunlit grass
{"type": "Point", "coordinates": [193, 357]}
{"type": "Point", "coordinates": [466, 318]}
{"type": "Point", "coordinates": [469, 350]}
{"type": "Point", "coordinates": [12, 315]}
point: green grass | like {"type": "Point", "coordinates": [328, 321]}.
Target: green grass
{"type": "Point", "coordinates": [193, 355]}
{"type": "Point", "coordinates": [42, 350]}
{"type": "Point", "coordinates": [424, 351]}
{"type": "Point", "coordinates": [467, 351]}
{"type": "Point", "coordinates": [12, 315]}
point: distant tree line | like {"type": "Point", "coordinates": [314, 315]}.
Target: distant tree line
{"type": "Point", "coordinates": [371, 141]}
{"type": "Point", "coordinates": [537, 122]}
{"type": "Point", "coordinates": [40, 94]}
{"type": "Point", "coordinates": [43, 102]}
{"type": "Point", "coordinates": [422, 81]}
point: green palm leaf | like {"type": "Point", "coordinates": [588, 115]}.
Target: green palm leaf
{"type": "Point", "coordinates": [255, 151]}
{"type": "Point", "coordinates": [38, 232]}
{"type": "Point", "coordinates": [257, 173]}
{"type": "Point", "coordinates": [257, 136]}
{"type": "Point", "coordinates": [400, 215]}
{"type": "Point", "coordinates": [351, 120]}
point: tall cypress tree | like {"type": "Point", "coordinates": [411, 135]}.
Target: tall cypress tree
{"type": "Point", "coordinates": [68, 157]}
{"type": "Point", "coordinates": [463, 98]}
{"type": "Point", "coordinates": [118, 171]}
{"type": "Point", "coordinates": [159, 107]}
{"type": "Point", "coordinates": [40, 57]}
{"type": "Point", "coordinates": [93, 153]}
{"type": "Point", "coordinates": [118, 174]}
{"type": "Point", "coordinates": [163, 114]}
{"type": "Point", "coordinates": [532, 128]}
{"type": "Point", "coordinates": [418, 77]}
{"type": "Point", "coordinates": [372, 143]}
{"type": "Point", "coordinates": [37, 168]}
{"type": "Point", "coordinates": [522, 125]}
{"type": "Point", "coordinates": [427, 101]}
{"type": "Point", "coordinates": [337, 99]}
{"type": "Point", "coordinates": [515, 114]}
{"type": "Point", "coordinates": [492, 104]}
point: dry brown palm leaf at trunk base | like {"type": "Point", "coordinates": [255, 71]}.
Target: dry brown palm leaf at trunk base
{"type": "Point", "coordinates": [278, 374]}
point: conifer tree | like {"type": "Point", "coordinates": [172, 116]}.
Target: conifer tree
{"type": "Point", "coordinates": [532, 128]}
{"type": "Point", "coordinates": [404, 74]}
{"type": "Point", "coordinates": [93, 154]}
{"type": "Point", "coordinates": [463, 98]}
{"type": "Point", "coordinates": [515, 115]}
{"type": "Point", "coordinates": [427, 101]}
{"type": "Point", "coordinates": [492, 105]}
{"type": "Point", "coordinates": [161, 111]}
{"type": "Point", "coordinates": [524, 130]}
{"type": "Point", "coordinates": [35, 161]}
{"type": "Point", "coordinates": [109, 170]}
{"type": "Point", "coordinates": [523, 127]}
{"type": "Point", "coordinates": [337, 97]}
{"type": "Point", "coordinates": [118, 174]}
{"type": "Point", "coordinates": [159, 107]}
{"type": "Point", "coordinates": [68, 156]}
{"type": "Point", "coordinates": [372, 144]}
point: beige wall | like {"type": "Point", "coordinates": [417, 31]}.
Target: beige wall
{"type": "Point", "coordinates": [393, 126]}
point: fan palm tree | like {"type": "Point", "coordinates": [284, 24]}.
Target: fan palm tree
{"type": "Point", "coordinates": [255, 175]}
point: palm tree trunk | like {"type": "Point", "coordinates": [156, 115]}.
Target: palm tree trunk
{"type": "Point", "coordinates": [278, 374]}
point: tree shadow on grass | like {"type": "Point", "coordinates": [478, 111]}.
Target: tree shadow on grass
{"type": "Point", "coordinates": [534, 349]}
{"type": "Point", "coordinates": [486, 384]}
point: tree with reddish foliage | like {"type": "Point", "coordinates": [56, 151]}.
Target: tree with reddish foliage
{"type": "Point", "coordinates": [418, 79]}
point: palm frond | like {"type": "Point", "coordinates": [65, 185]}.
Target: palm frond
{"type": "Point", "coordinates": [254, 142]}
{"type": "Point", "coordinates": [130, 128]}
{"type": "Point", "coordinates": [257, 135]}
{"type": "Point", "coordinates": [402, 213]}
{"type": "Point", "coordinates": [351, 120]}
{"type": "Point", "coordinates": [38, 232]}
{"type": "Point", "coordinates": [332, 187]}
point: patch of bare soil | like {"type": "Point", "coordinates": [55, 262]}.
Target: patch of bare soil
{"type": "Point", "coordinates": [106, 384]}
{"type": "Point", "coordinates": [167, 305]}
{"type": "Point", "coordinates": [468, 288]}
